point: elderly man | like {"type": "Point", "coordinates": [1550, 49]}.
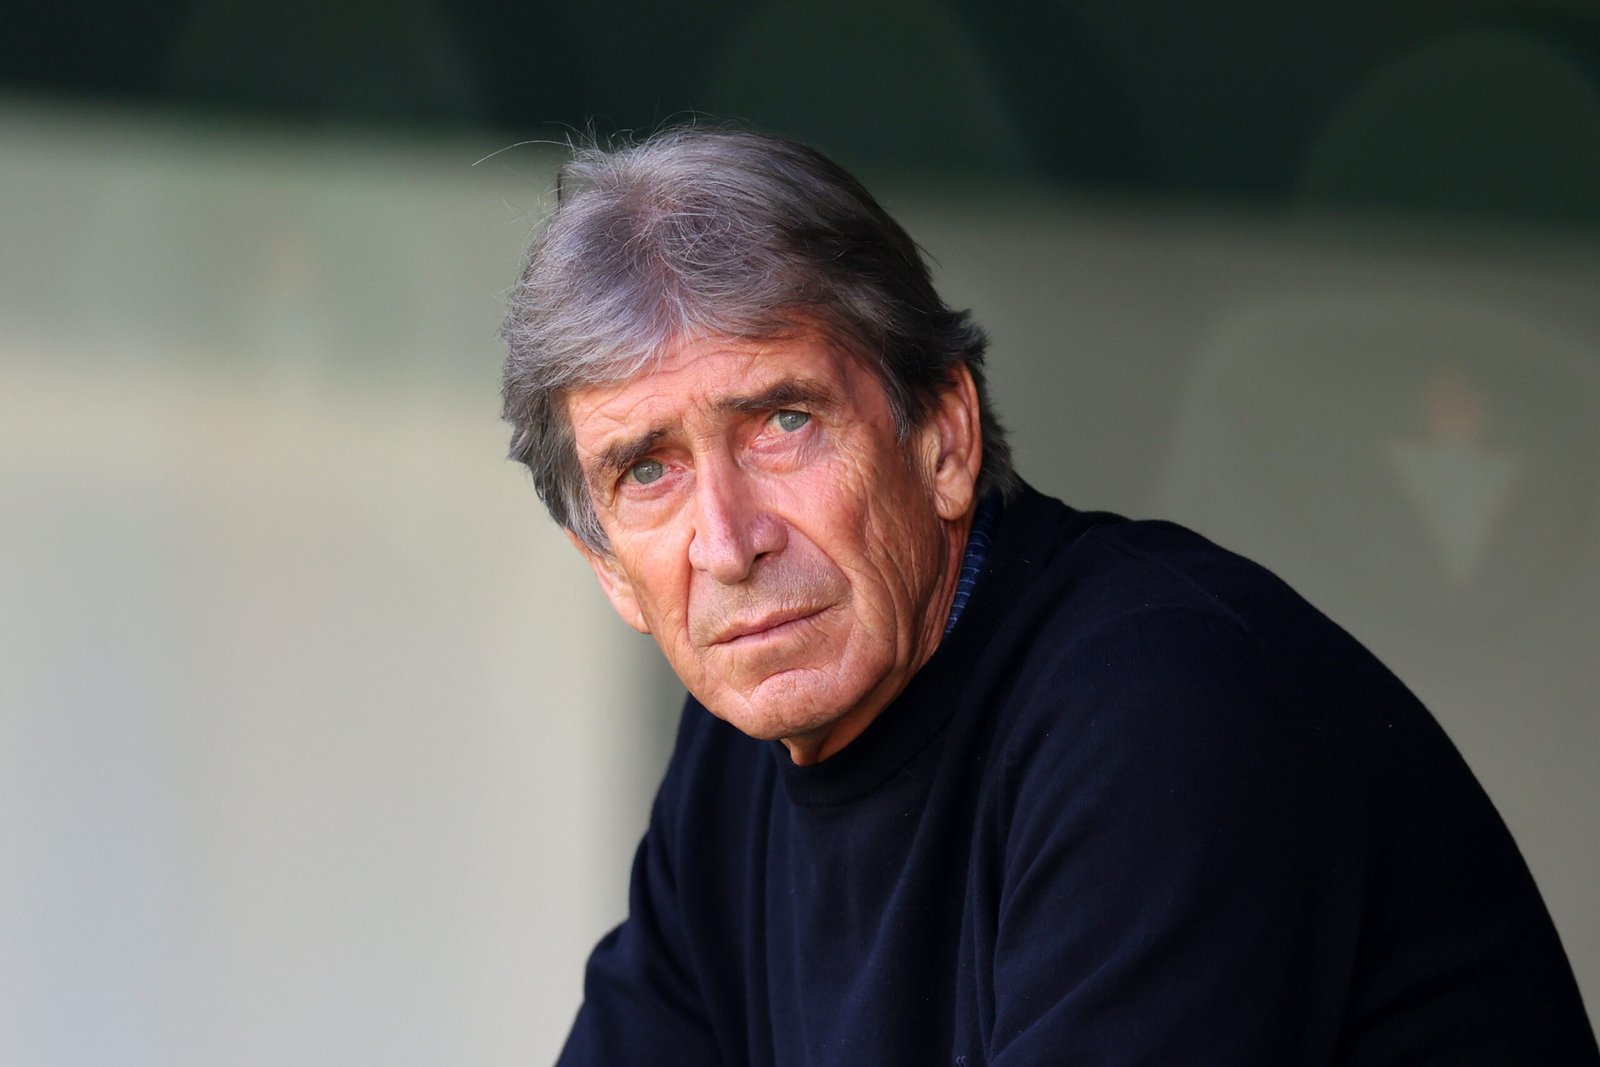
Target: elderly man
{"type": "Point", "coordinates": [965, 775]}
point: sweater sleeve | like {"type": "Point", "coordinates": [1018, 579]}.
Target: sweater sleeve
{"type": "Point", "coordinates": [642, 1003]}
{"type": "Point", "coordinates": [1180, 873]}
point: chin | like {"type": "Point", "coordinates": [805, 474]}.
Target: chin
{"type": "Point", "coordinates": [783, 706]}
{"type": "Point", "coordinates": [779, 724]}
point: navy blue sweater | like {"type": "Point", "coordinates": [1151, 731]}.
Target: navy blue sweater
{"type": "Point", "coordinates": [1144, 805]}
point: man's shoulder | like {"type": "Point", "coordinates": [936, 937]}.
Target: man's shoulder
{"type": "Point", "coordinates": [1145, 630]}
{"type": "Point", "coordinates": [1129, 622]}
{"type": "Point", "coordinates": [1078, 572]}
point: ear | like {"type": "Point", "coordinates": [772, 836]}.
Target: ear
{"type": "Point", "coordinates": [614, 582]}
{"type": "Point", "coordinates": [955, 446]}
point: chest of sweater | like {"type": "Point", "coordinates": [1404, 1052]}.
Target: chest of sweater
{"type": "Point", "coordinates": [847, 932]}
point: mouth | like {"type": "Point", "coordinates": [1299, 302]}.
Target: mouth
{"type": "Point", "coordinates": [775, 625]}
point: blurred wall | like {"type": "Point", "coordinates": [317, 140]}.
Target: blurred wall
{"type": "Point", "coordinates": [316, 745]}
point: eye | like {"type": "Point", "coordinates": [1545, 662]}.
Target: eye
{"type": "Point", "coordinates": [790, 421]}
{"type": "Point", "coordinates": [645, 471]}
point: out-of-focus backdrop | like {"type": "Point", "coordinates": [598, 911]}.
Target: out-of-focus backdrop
{"type": "Point", "coordinates": [316, 744]}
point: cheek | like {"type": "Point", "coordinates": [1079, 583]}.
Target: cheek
{"type": "Point", "coordinates": [660, 578]}
{"type": "Point", "coordinates": [905, 534]}
{"type": "Point", "coordinates": [876, 522]}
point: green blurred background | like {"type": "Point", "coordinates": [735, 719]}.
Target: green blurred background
{"type": "Point", "coordinates": [1242, 101]}
{"type": "Point", "coordinates": [316, 744]}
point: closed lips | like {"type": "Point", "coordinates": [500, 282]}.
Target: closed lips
{"type": "Point", "coordinates": [763, 625]}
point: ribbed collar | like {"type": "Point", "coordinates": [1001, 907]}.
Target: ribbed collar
{"type": "Point", "coordinates": [972, 560]}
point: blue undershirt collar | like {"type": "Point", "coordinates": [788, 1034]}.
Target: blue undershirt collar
{"type": "Point", "coordinates": [973, 559]}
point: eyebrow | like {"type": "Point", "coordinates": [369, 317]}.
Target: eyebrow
{"type": "Point", "coordinates": [791, 392]}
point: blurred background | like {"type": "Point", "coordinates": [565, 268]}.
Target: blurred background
{"type": "Point", "coordinates": [316, 744]}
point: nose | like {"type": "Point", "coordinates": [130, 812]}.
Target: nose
{"type": "Point", "coordinates": [733, 529]}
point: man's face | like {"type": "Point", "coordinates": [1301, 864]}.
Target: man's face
{"type": "Point", "coordinates": [794, 561]}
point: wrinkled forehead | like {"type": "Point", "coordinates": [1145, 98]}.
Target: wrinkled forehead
{"type": "Point", "coordinates": [698, 365]}
{"type": "Point", "coordinates": [769, 333]}
{"type": "Point", "coordinates": [703, 382]}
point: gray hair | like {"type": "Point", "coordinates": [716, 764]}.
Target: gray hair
{"type": "Point", "coordinates": [701, 231]}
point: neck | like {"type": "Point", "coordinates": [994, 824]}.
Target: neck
{"type": "Point", "coordinates": [817, 745]}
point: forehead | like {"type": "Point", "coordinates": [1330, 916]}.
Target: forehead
{"type": "Point", "coordinates": [710, 377]}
